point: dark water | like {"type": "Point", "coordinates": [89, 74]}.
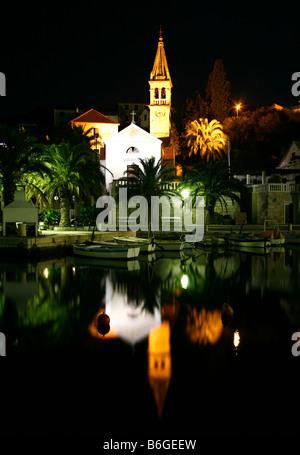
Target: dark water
{"type": "Point", "coordinates": [168, 367]}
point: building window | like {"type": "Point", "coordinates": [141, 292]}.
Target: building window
{"type": "Point", "coordinates": [163, 93]}
{"type": "Point", "coordinates": [126, 107]}
{"type": "Point", "coordinates": [156, 94]}
{"type": "Point", "coordinates": [132, 150]}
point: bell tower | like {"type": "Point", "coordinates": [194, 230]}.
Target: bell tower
{"type": "Point", "coordinates": [160, 93]}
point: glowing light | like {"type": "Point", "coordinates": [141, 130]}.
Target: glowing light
{"type": "Point", "coordinates": [46, 273]}
{"type": "Point", "coordinates": [236, 338]}
{"type": "Point", "coordinates": [159, 363]}
{"type": "Point", "coordinates": [237, 106]}
{"type": "Point", "coordinates": [184, 281]}
{"type": "Point", "coordinates": [73, 270]}
{"type": "Point", "coordinates": [185, 193]}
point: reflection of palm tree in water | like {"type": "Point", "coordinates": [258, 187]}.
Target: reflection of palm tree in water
{"type": "Point", "coordinates": [142, 290]}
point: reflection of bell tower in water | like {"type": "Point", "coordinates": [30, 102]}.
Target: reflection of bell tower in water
{"type": "Point", "coordinates": [159, 363]}
{"type": "Point", "coordinates": [160, 94]}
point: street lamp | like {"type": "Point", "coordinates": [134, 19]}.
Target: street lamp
{"type": "Point", "coordinates": [228, 154]}
{"type": "Point", "coordinates": [237, 106]}
{"type": "Point", "coordinates": [185, 193]}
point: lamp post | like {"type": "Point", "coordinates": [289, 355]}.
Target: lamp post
{"type": "Point", "coordinates": [228, 154]}
{"type": "Point", "coordinates": [237, 106]}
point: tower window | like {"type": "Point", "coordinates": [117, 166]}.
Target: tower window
{"type": "Point", "coordinates": [163, 93]}
{"type": "Point", "coordinates": [156, 95]}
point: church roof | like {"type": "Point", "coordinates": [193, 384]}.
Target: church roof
{"type": "Point", "coordinates": [132, 133]}
{"type": "Point", "coordinates": [92, 116]}
{"type": "Point", "coordinates": [160, 69]}
{"type": "Point", "coordinates": [291, 159]}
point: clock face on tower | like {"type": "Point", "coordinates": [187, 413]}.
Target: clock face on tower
{"type": "Point", "coordinates": [160, 112]}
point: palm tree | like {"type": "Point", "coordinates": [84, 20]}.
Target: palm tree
{"type": "Point", "coordinates": [207, 139]}
{"type": "Point", "coordinates": [18, 156]}
{"type": "Point", "coordinates": [71, 170]}
{"type": "Point", "coordinates": [74, 134]}
{"type": "Point", "coordinates": [146, 180]}
{"type": "Point", "coordinates": [212, 181]}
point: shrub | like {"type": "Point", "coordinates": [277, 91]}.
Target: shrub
{"type": "Point", "coordinates": [88, 215]}
{"type": "Point", "coordinates": [50, 216]}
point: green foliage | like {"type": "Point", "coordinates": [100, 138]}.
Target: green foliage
{"type": "Point", "coordinates": [205, 139]}
{"type": "Point", "coordinates": [212, 181]}
{"type": "Point", "coordinates": [73, 171]}
{"type": "Point", "coordinates": [50, 217]}
{"type": "Point", "coordinates": [146, 180]}
{"type": "Point", "coordinates": [18, 156]}
{"type": "Point", "coordinates": [88, 215]}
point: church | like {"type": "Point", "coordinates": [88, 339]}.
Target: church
{"type": "Point", "coordinates": [118, 150]}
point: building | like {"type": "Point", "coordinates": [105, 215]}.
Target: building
{"type": "Point", "coordinates": [160, 103]}
{"type": "Point", "coordinates": [160, 94]}
{"type": "Point", "coordinates": [101, 128]}
{"type": "Point", "coordinates": [63, 115]}
{"type": "Point", "coordinates": [278, 200]}
{"type": "Point", "coordinates": [289, 166]}
{"type": "Point", "coordinates": [295, 108]}
{"type": "Point", "coordinates": [125, 149]}
{"type": "Point", "coordinates": [133, 142]}
{"type": "Point", "coordinates": [147, 135]}
{"type": "Point", "coordinates": [141, 117]}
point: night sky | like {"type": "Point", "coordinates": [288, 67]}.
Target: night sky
{"type": "Point", "coordinates": [98, 53]}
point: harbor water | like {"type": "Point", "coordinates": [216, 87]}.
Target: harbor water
{"type": "Point", "coordinates": [200, 345]}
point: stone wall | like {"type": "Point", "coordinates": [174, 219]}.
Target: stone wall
{"type": "Point", "coordinates": [270, 205]}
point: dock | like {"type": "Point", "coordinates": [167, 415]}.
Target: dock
{"type": "Point", "coordinates": [49, 243]}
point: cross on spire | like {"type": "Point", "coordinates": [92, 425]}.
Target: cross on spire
{"type": "Point", "coordinates": [160, 33]}
{"type": "Point", "coordinates": [132, 115]}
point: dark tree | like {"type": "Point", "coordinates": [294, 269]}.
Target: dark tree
{"type": "Point", "coordinates": [196, 108]}
{"type": "Point", "coordinates": [218, 92]}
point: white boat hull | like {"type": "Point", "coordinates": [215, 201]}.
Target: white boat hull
{"type": "Point", "coordinates": [159, 245]}
{"type": "Point", "coordinates": [277, 242]}
{"type": "Point", "coordinates": [250, 243]}
{"type": "Point", "coordinates": [144, 245]}
{"type": "Point", "coordinates": [109, 251]}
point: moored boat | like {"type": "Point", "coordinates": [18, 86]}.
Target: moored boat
{"type": "Point", "coordinates": [145, 245]}
{"type": "Point", "coordinates": [276, 237]}
{"type": "Point", "coordinates": [106, 251]}
{"type": "Point", "coordinates": [169, 245]}
{"type": "Point", "coordinates": [212, 241]}
{"type": "Point", "coordinates": [252, 242]}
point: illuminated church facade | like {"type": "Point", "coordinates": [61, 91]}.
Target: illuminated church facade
{"type": "Point", "coordinates": [119, 150]}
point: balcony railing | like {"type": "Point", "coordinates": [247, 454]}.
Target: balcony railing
{"type": "Point", "coordinates": [160, 101]}
{"type": "Point", "coordinates": [165, 185]}
{"type": "Point", "coordinates": [276, 187]}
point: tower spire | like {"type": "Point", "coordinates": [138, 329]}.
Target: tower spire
{"type": "Point", "coordinates": [160, 93]}
{"type": "Point", "coordinates": [160, 68]}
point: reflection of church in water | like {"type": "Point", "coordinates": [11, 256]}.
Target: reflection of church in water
{"type": "Point", "coordinates": [132, 323]}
